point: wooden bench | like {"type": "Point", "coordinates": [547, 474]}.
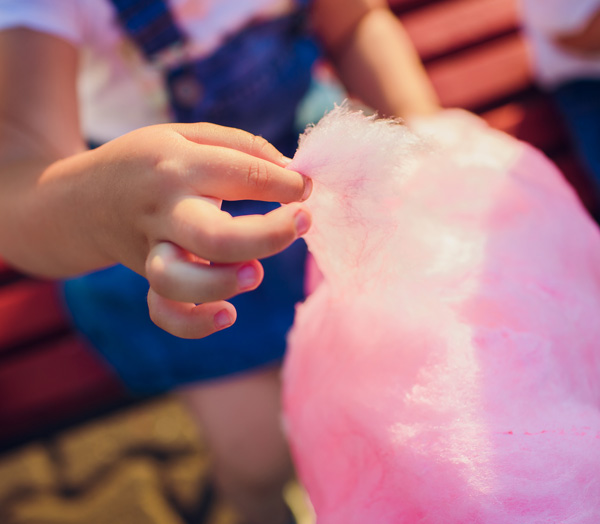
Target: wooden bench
{"type": "Point", "coordinates": [476, 57]}
{"type": "Point", "coordinates": [48, 375]}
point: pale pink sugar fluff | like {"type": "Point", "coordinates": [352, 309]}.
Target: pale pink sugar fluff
{"type": "Point", "coordinates": [447, 368]}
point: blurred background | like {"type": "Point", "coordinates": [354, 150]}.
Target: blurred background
{"type": "Point", "coordinates": [75, 448]}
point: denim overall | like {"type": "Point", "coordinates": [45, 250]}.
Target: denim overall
{"type": "Point", "coordinates": [578, 101]}
{"type": "Point", "coordinates": [255, 82]}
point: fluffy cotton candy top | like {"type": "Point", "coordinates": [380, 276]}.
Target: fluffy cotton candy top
{"type": "Point", "coordinates": [447, 368]}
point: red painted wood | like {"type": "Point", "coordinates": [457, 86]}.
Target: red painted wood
{"type": "Point", "coordinates": [475, 58]}
{"type": "Point", "coordinates": [49, 376]}
{"type": "Point", "coordinates": [29, 309]}
{"type": "Point", "coordinates": [480, 76]}
{"type": "Point", "coordinates": [445, 27]}
{"type": "Point", "coordinates": [52, 384]}
{"type": "Point", "coordinates": [401, 5]}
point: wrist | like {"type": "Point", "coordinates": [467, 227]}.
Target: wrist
{"type": "Point", "coordinates": [59, 217]}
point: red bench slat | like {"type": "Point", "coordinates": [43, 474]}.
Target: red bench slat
{"type": "Point", "coordinates": [480, 76]}
{"type": "Point", "coordinates": [402, 5]}
{"type": "Point", "coordinates": [29, 309]}
{"type": "Point", "coordinates": [476, 59]}
{"type": "Point", "coordinates": [51, 384]}
{"type": "Point", "coordinates": [445, 27]}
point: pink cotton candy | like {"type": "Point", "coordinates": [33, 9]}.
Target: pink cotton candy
{"type": "Point", "coordinates": [447, 368]}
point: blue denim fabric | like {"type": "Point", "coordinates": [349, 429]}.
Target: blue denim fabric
{"type": "Point", "coordinates": [579, 104]}
{"type": "Point", "coordinates": [109, 308]}
{"type": "Point", "coordinates": [149, 23]}
{"type": "Point", "coordinates": [255, 82]}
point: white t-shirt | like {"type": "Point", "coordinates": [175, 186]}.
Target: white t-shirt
{"type": "Point", "coordinates": [544, 20]}
{"type": "Point", "coordinates": [118, 90]}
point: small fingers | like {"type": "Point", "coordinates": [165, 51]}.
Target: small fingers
{"type": "Point", "coordinates": [237, 175]}
{"type": "Point", "coordinates": [216, 236]}
{"type": "Point", "coordinates": [187, 320]}
{"type": "Point", "coordinates": [173, 274]}
{"type": "Point", "coordinates": [228, 137]}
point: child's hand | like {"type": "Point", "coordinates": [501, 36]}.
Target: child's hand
{"type": "Point", "coordinates": [155, 204]}
{"type": "Point", "coordinates": [148, 199]}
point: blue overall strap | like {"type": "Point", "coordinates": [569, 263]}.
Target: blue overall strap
{"type": "Point", "coordinates": [253, 81]}
{"type": "Point", "coordinates": [150, 24]}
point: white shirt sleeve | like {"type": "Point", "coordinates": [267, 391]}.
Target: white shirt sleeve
{"type": "Point", "coordinates": [555, 17]}
{"type": "Point", "coordinates": [61, 18]}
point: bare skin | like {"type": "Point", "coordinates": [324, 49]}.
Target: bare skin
{"type": "Point", "coordinates": [374, 58]}
{"type": "Point", "coordinates": [586, 41]}
{"type": "Point", "coordinates": [241, 416]}
{"type": "Point", "coordinates": [150, 200]}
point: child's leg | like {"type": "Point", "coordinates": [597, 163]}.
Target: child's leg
{"type": "Point", "coordinates": [240, 418]}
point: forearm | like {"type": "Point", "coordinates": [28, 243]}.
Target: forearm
{"type": "Point", "coordinates": [147, 199]}
{"type": "Point", "coordinates": [42, 213]}
{"type": "Point", "coordinates": [586, 41]}
{"type": "Point", "coordinates": [379, 65]}
{"type": "Point", "coordinates": [45, 217]}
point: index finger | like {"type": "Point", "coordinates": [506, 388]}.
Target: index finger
{"type": "Point", "coordinates": [236, 175]}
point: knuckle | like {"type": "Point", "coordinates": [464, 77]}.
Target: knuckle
{"type": "Point", "coordinates": [257, 174]}
{"type": "Point", "coordinates": [278, 239]}
{"type": "Point", "coordinates": [212, 242]}
{"type": "Point", "coordinates": [168, 169]}
{"type": "Point", "coordinates": [216, 289]}
{"type": "Point", "coordinates": [154, 310]}
{"type": "Point", "coordinates": [260, 146]}
{"type": "Point", "coordinates": [159, 281]}
{"type": "Point", "coordinates": [157, 318]}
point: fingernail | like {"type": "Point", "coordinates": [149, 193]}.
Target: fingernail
{"type": "Point", "coordinates": [223, 319]}
{"type": "Point", "coordinates": [302, 222]}
{"type": "Point", "coordinates": [247, 276]}
{"type": "Point", "coordinates": [307, 188]}
{"type": "Point", "coordinates": [286, 160]}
